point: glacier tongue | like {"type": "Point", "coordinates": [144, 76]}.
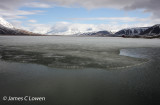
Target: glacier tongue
{"type": "Point", "coordinates": [4, 23]}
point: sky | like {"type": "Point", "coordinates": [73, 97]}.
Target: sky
{"type": "Point", "coordinates": [73, 16]}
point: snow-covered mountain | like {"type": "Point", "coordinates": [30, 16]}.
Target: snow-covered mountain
{"type": "Point", "coordinates": [154, 30]}
{"type": "Point", "coordinates": [8, 29]}
{"type": "Point", "coordinates": [132, 31]}
{"type": "Point", "coordinates": [66, 28]}
{"type": "Point", "coordinates": [79, 30]}
{"type": "Point", "coordinates": [99, 33]}
{"type": "Point", "coordinates": [4, 23]}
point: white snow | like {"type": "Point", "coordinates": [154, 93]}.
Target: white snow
{"type": "Point", "coordinates": [4, 23]}
{"type": "Point", "coordinates": [65, 28]}
{"type": "Point", "coordinates": [133, 30]}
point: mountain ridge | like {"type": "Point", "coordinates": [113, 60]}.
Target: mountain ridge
{"type": "Point", "coordinates": [154, 30]}
{"type": "Point", "coordinates": [98, 33]}
{"type": "Point", "coordinates": [132, 31]}
{"type": "Point", "coordinates": [4, 23]}
{"type": "Point", "coordinates": [8, 29]}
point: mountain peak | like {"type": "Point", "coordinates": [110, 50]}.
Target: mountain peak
{"type": "Point", "coordinates": [7, 29]}
{"type": "Point", "coordinates": [4, 23]}
{"type": "Point", "coordinates": [157, 25]}
{"type": "Point", "coordinates": [131, 31]}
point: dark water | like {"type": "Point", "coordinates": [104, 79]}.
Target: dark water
{"type": "Point", "coordinates": [68, 72]}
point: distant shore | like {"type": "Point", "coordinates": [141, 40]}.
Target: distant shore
{"type": "Point", "coordinates": [123, 36]}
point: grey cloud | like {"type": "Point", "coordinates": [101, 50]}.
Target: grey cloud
{"type": "Point", "coordinates": [17, 14]}
{"type": "Point", "coordinates": [151, 6]}
{"type": "Point", "coordinates": [16, 4]}
{"type": "Point", "coordinates": [148, 6]}
{"type": "Point", "coordinates": [11, 4]}
{"type": "Point", "coordinates": [9, 9]}
{"type": "Point", "coordinates": [92, 3]}
{"type": "Point", "coordinates": [37, 5]}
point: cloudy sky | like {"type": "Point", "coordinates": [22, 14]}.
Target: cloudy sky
{"type": "Point", "coordinates": [78, 16]}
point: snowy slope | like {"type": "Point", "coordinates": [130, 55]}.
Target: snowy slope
{"type": "Point", "coordinates": [154, 30]}
{"type": "Point", "coordinates": [131, 31]}
{"type": "Point", "coordinates": [4, 23]}
{"type": "Point", "coordinates": [99, 33]}
{"type": "Point", "coordinates": [8, 29]}
{"type": "Point", "coordinates": [68, 31]}
{"type": "Point", "coordinates": [65, 28]}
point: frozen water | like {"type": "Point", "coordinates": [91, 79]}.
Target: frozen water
{"type": "Point", "coordinates": [81, 70]}
{"type": "Point", "coordinates": [73, 52]}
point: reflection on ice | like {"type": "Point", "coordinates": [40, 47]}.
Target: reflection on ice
{"type": "Point", "coordinates": [147, 53]}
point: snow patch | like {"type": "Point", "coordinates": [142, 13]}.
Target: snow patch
{"type": "Point", "coordinates": [4, 23]}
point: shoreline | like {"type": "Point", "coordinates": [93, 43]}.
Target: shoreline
{"type": "Point", "coordinates": [134, 37]}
